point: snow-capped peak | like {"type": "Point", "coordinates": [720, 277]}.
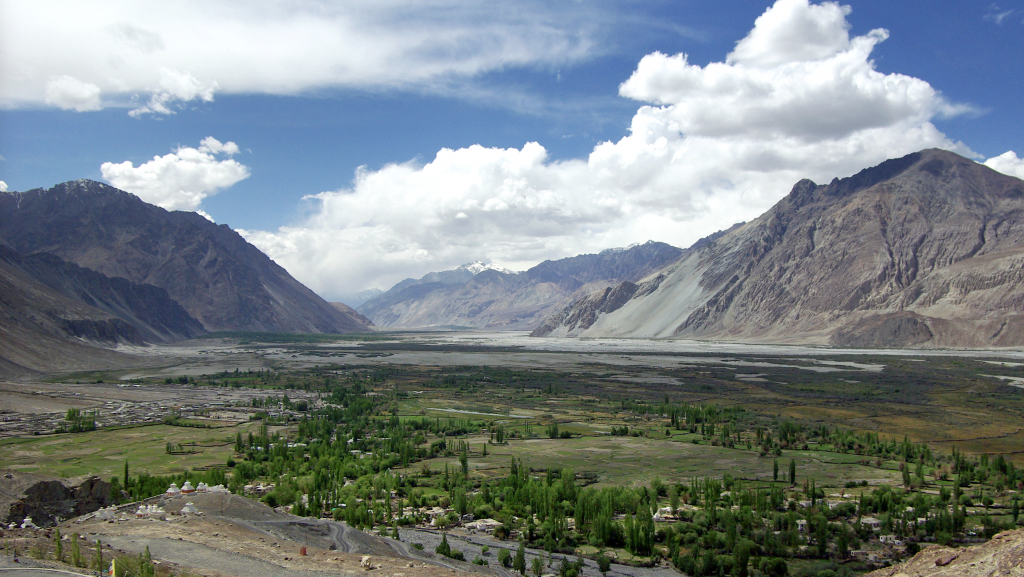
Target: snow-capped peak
{"type": "Point", "coordinates": [624, 248]}
{"type": "Point", "coordinates": [477, 267]}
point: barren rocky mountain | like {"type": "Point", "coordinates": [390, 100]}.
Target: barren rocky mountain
{"type": "Point", "coordinates": [148, 312]}
{"type": "Point", "coordinates": [211, 271]}
{"type": "Point", "coordinates": [472, 296]}
{"type": "Point", "coordinates": [924, 250]}
{"type": "Point", "coordinates": [351, 312]}
{"type": "Point", "coordinates": [44, 328]}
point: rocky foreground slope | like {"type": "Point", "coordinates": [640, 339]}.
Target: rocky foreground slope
{"type": "Point", "coordinates": [925, 250]}
{"type": "Point", "coordinates": [477, 296]}
{"type": "Point", "coordinates": [1003, 556]}
{"type": "Point", "coordinates": [49, 500]}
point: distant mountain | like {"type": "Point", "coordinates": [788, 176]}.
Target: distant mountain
{"type": "Point", "coordinates": [351, 312]}
{"type": "Point", "coordinates": [486, 296]}
{"type": "Point", "coordinates": [925, 250]}
{"type": "Point", "coordinates": [356, 299]}
{"type": "Point", "coordinates": [217, 277]}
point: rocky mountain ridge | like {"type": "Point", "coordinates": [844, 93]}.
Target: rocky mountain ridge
{"type": "Point", "coordinates": [209, 270]}
{"type": "Point", "coordinates": [85, 267]}
{"type": "Point", "coordinates": [44, 329]}
{"type": "Point", "coordinates": [482, 296]}
{"type": "Point", "coordinates": [150, 312]}
{"type": "Point", "coordinates": [924, 250]}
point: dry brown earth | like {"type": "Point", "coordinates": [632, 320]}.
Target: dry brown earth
{"type": "Point", "coordinates": [1002, 556]}
{"type": "Point", "coordinates": [235, 536]}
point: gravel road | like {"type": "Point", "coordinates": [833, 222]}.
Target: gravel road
{"type": "Point", "coordinates": [349, 540]}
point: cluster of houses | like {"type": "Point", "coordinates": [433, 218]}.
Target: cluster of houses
{"type": "Point", "coordinates": [258, 489]}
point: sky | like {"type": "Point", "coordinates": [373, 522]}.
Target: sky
{"type": "Point", "coordinates": [360, 143]}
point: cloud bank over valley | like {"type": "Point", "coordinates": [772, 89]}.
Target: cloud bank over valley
{"type": "Point", "coordinates": [797, 98]}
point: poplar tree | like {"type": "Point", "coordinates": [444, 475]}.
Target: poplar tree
{"type": "Point", "coordinates": [519, 563]}
{"type": "Point", "coordinates": [76, 554]}
{"type": "Point", "coordinates": [97, 561]}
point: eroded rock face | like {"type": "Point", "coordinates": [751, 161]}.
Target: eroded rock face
{"type": "Point", "coordinates": [48, 501]}
{"type": "Point", "coordinates": [1001, 556]}
{"type": "Point", "coordinates": [926, 250]}
{"type": "Point", "coordinates": [901, 329]}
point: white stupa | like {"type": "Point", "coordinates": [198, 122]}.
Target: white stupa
{"type": "Point", "coordinates": [187, 487]}
{"type": "Point", "coordinates": [149, 511]}
{"type": "Point", "coordinates": [173, 490]}
{"type": "Point", "coordinates": [27, 523]}
{"type": "Point", "coordinates": [189, 509]}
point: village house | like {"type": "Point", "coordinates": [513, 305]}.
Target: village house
{"type": "Point", "coordinates": [871, 523]}
{"type": "Point", "coordinates": [890, 539]}
{"type": "Point", "coordinates": [483, 526]}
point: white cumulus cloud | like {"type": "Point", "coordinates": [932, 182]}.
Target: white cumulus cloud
{"type": "Point", "coordinates": [3, 186]}
{"type": "Point", "coordinates": [1007, 163]}
{"type": "Point", "coordinates": [793, 31]}
{"type": "Point", "coordinates": [70, 93]}
{"type": "Point", "coordinates": [182, 179]}
{"type": "Point", "coordinates": [169, 53]}
{"type": "Point", "coordinates": [797, 98]}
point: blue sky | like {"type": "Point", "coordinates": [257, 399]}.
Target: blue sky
{"type": "Point", "coordinates": [306, 100]}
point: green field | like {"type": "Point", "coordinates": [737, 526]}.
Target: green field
{"type": "Point", "coordinates": [636, 461]}
{"type": "Point", "coordinates": [103, 452]}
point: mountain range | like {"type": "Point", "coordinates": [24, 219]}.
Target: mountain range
{"type": "Point", "coordinates": [84, 262]}
{"type": "Point", "coordinates": [477, 295]}
{"type": "Point", "coordinates": [924, 250]}
{"type": "Point", "coordinates": [920, 251]}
